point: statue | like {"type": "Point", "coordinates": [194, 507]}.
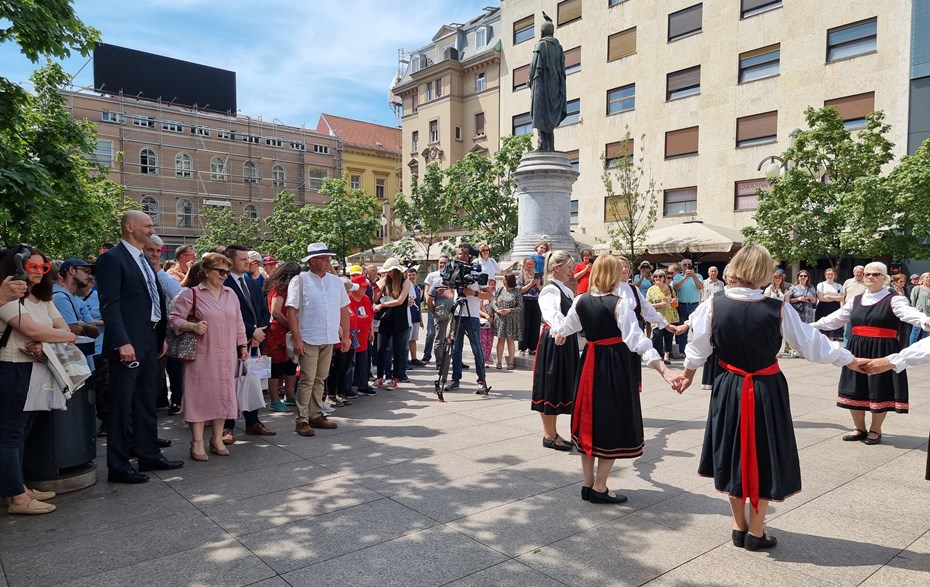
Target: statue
{"type": "Point", "coordinates": [547, 84]}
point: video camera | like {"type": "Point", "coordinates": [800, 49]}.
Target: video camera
{"type": "Point", "coordinates": [459, 274]}
{"type": "Point", "coordinates": [20, 254]}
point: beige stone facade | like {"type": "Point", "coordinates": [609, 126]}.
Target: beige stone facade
{"type": "Point", "coordinates": [851, 51]}
{"type": "Point", "coordinates": [176, 161]}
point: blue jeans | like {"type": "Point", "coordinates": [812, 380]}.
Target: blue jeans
{"type": "Point", "coordinates": [468, 327]}
{"type": "Point", "coordinates": [14, 425]}
{"type": "Point", "coordinates": [917, 333]}
{"type": "Point", "coordinates": [684, 310]}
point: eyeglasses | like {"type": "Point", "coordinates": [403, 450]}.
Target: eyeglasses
{"type": "Point", "coordinates": [33, 267]}
{"type": "Point", "coordinates": [874, 275]}
{"type": "Point", "coordinates": [222, 272]}
{"type": "Point", "coordinates": [802, 275]}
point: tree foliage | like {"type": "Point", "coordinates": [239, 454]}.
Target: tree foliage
{"type": "Point", "coordinates": [910, 186]}
{"type": "Point", "coordinates": [348, 221]}
{"type": "Point", "coordinates": [222, 228]}
{"type": "Point", "coordinates": [632, 199]}
{"type": "Point", "coordinates": [289, 228]}
{"type": "Point", "coordinates": [425, 215]}
{"type": "Point", "coordinates": [832, 200]}
{"type": "Point", "coordinates": [48, 28]}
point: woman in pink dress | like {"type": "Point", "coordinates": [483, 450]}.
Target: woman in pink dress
{"type": "Point", "coordinates": [209, 380]}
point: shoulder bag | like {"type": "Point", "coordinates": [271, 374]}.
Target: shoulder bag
{"type": "Point", "coordinates": [289, 337]}
{"type": "Point", "coordinates": [182, 346]}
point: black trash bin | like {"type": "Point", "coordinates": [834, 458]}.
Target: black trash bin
{"type": "Point", "coordinates": [62, 443]}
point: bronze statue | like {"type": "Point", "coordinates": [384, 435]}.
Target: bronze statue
{"type": "Point", "coordinates": [547, 84]}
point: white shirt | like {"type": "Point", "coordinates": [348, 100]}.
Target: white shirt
{"type": "Point", "coordinates": [489, 266]}
{"type": "Point", "coordinates": [826, 288]}
{"type": "Point", "coordinates": [433, 279]}
{"type": "Point", "coordinates": [550, 300]}
{"type": "Point", "coordinates": [147, 272]}
{"type": "Point", "coordinates": [474, 303]}
{"type": "Point", "coordinates": [802, 337]}
{"type": "Point", "coordinates": [916, 354]}
{"type": "Point", "coordinates": [899, 305]}
{"type": "Point", "coordinates": [633, 337]}
{"type": "Point", "coordinates": [320, 310]}
{"type": "Point", "coordinates": [649, 312]}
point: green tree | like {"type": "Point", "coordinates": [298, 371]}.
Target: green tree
{"type": "Point", "coordinates": [349, 220]}
{"type": "Point", "coordinates": [289, 227]}
{"type": "Point", "coordinates": [631, 199]}
{"type": "Point", "coordinates": [221, 228]}
{"type": "Point", "coordinates": [832, 200]}
{"type": "Point", "coordinates": [910, 186]}
{"type": "Point", "coordinates": [426, 215]}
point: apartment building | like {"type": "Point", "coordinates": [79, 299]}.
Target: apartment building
{"type": "Point", "coordinates": [177, 161]}
{"type": "Point", "coordinates": [710, 88]}
{"type": "Point", "coordinates": [449, 94]}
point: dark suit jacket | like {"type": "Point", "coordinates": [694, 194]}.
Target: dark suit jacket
{"type": "Point", "coordinates": [125, 304]}
{"type": "Point", "coordinates": [256, 314]}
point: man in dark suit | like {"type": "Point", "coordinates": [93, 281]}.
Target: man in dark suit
{"type": "Point", "coordinates": [256, 316]}
{"type": "Point", "coordinates": [133, 307]}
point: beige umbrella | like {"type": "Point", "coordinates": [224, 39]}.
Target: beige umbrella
{"type": "Point", "coordinates": [692, 237]}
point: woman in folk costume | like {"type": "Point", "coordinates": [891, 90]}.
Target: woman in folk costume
{"type": "Point", "coordinates": [555, 366]}
{"type": "Point", "coordinates": [607, 419]}
{"type": "Point", "coordinates": [749, 444]}
{"type": "Point", "coordinates": [876, 317]}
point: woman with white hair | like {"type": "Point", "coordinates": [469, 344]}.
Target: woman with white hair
{"type": "Point", "coordinates": [875, 317]}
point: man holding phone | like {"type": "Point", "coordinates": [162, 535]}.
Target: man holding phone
{"type": "Point", "coordinates": [688, 285]}
{"type": "Point", "coordinates": [644, 280]}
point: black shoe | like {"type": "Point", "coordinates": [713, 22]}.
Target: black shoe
{"type": "Point", "coordinates": [464, 366]}
{"type": "Point", "coordinates": [162, 442]}
{"type": "Point", "coordinates": [739, 538]}
{"type": "Point", "coordinates": [605, 497]}
{"type": "Point", "coordinates": [857, 435]}
{"type": "Point", "coordinates": [404, 380]}
{"type": "Point", "coordinates": [585, 493]}
{"type": "Point", "coordinates": [160, 464]}
{"type": "Point", "coordinates": [102, 431]}
{"type": "Point", "coordinates": [174, 410]}
{"type": "Point", "coordinates": [417, 363]}
{"type": "Point", "coordinates": [756, 543]}
{"type": "Point", "coordinates": [452, 385]}
{"type": "Point", "coordinates": [369, 391]}
{"type": "Point", "coordinates": [554, 443]}
{"type": "Point", "coordinates": [870, 441]}
{"type": "Point", "coordinates": [350, 394]}
{"type": "Point", "coordinates": [483, 388]}
{"type": "Point", "coordinates": [130, 477]}
{"type": "Point", "coordinates": [427, 358]}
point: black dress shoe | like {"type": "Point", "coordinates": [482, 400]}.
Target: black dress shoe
{"type": "Point", "coordinates": [871, 441]}
{"type": "Point", "coordinates": [130, 477]}
{"type": "Point", "coordinates": [857, 435]}
{"type": "Point", "coordinates": [739, 538]}
{"type": "Point", "coordinates": [756, 543]}
{"type": "Point", "coordinates": [102, 431]}
{"type": "Point", "coordinates": [162, 442]}
{"type": "Point", "coordinates": [605, 497]}
{"type": "Point", "coordinates": [554, 443]}
{"type": "Point", "coordinates": [160, 464]}
{"type": "Point", "coordinates": [585, 493]}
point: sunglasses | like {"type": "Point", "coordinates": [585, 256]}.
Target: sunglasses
{"type": "Point", "coordinates": [874, 275]}
{"type": "Point", "coordinates": [222, 272]}
{"type": "Point", "coordinates": [802, 275]}
{"type": "Point", "coordinates": [33, 267]}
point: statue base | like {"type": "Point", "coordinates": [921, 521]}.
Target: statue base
{"type": "Point", "coordinates": [544, 194]}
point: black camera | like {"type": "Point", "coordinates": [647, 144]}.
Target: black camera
{"type": "Point", "coordinates": [20, 254]}
{"type": "Point", "coordinates": [459, 274]}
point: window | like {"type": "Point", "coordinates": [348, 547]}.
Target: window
{"type": "Point", "coordinates": [200, 131]}
{"type": "Point", "coordinates": [250, 172]}
{"type": "Point", "coordinates": [278, 177]}
{"type": "Point", "coordinates": [183, 166]}
{"type": "Point", "coordinates": [621, 99]}
{"type": "Point", "coordinates": [523, 30]}
{"type": "Point", "coordinates": [481, 37]}
{"type": "Point", "coordinates": [679, 143]}
{"type": "Point", "coordinates": [622, 44]}
{"type": "Point", "coordinates": [853, 109]}
{"type": "Point", "coordinates": [143, 121]}
{"type": "Point", "coordinates": [298, 146]}
{"type": "Point", "coordinates": [438, 86]}
{"type": "Point", "coordinates": [253, 139]}
{"type": "Point", "coordinates": [150, 207]}
{"type": "Point", "coordinates": [573, 60]}
{"type": "Point", "coordinates": [218, 169]}
{"type": "Point", "coordinates": [148, 162]}
{"type": "Point", "coordinates": [433, 131]}
{"type": "Point", "coordinates": [379, 188]}
{"type": "Point", "coordinates": [480, 82]}
{"type": "Point", "coordinates": [414, 169]}
{"type": "Point", "coordinates": [685, 22]}
{"type": "Point", "coordinates": [250, 211]}
{"type": "Point", "coordinates": [415, 63]}
{"type": "Point", "coordinates": [321, 149]}
{"type": "Point", "coordinates": [614, 2]}
{"type": "Point", "coordinates": [458, 133]}
{"type": "Point", "coordinates": [746, 197]}
{"type": "Point", "coordinates": [851, 40]}
{"type": "Point", "coordinates": [415, 101]}
{"type": "Point", "coordinates": [757, 129]}
{"type": "Point", "coordinates": [616, 152]}
{"type": "Point", "coordinates": [479, 124]}
{"type": "Point", "coordinates": [522, 124]}
{"type": "Point", "coordinates": [572, 112]}
{"type": "Point", "coordinates": [317, 177]}
{"type": "Point", "coordinates": [102, 154]}
{"type": "Point", "coordinates": [114, 117]}
{"type": "Point", "coordinates": [573, 212]}
{"type": "Point", "coordinates": [185, 214]}
{"type": "Point", "coordinates": [759, 63]}
{"type": "Point", "coordinates": [615, 208]}
{"type": "Point", "coordinates": [229, 135]}
{"type": "Point", "coordinates": [683, 83]}
{"type": "Point", "coordinates": [573, 159]}
{"type": "Point", "coordinates": [429, 91]}
{"type": "Point", "coordinates": [568, 11]}
{"type": "Point", "coordinates": [355, 182]}
{"type": "Point", "coordinates": [274, 142]}
{"type": "Point", "coordinates": [753, 7]}
{"type": "Point", "coordinates": [415, 141]}
{"type": "Point", "coordinates": [679, 201]}
{"type": "Point", "coordinates": [521, 78]}
{"type": "Point", "coordinates": [171, 126]}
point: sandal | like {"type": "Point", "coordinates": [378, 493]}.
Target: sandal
{"type": "Point", "coordinates": [857, 435]}
{"type": "Point", "coordinates": [870, 441]}
{"type": "Point", "coordinates": [510, 366]}
{"type": "Point", "coordinates": [498, 366]}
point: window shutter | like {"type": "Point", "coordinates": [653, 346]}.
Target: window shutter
{"type": "Point", "coordinates": [621, 44]}
{"type": "Point", "coordinates": [681, 142]}
{"type": "Point", "coordinates": [523, 23]}
{"type": "Point", "coordinates": [685, 21]}
{"type": "Point", "coordinates": [479, 124]}
{"type": "Point", "coordinates": [521, 76]}
{"type": "Point", "coordinates": [573, 57]}
{"type": "Point", "coordinates": [568, 10]}
{"type": "Point", "coordinates": [619, 149]}
{"type": "Point", "coordinates": [684, 78]}
{"type": "Point", "coordinates": [749, 5]}
{"type": "Point", "coordinates": [760, 51]}
{"type": "Point", "coordinates": [757, 126]}
{"type": "Point", "coordinates": [853, 107]}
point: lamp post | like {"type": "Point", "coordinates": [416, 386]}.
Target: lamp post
{"type": "Point", "coordinates": [774, 165]}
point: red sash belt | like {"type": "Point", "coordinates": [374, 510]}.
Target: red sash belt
{"type": "Point", "coordinates": [583, 416]}
{"type": "Point", "coordinates": [747, 427]}
{"type": "Point", "coordinates": [875, 332]}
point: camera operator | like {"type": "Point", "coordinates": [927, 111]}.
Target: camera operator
{"type": "Point", "coordinates": [468, 326]}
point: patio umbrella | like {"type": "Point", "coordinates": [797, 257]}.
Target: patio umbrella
{"type": "Point", "coordinates": [692, 237]}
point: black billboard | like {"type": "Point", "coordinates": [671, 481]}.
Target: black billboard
{"type": "Point", "coordinates": [154, 77]}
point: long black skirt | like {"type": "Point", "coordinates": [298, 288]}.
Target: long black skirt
{"type": "Point", "coordinates": [554, 375]}
{"type": "Point", "coordinates": [884, 392]}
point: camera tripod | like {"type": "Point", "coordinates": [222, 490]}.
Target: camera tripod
{"type": "Point", "coordinates": [455, 323]}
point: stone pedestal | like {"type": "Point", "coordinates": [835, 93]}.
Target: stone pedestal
{"type": "Point", "coordinates": [544, 193]}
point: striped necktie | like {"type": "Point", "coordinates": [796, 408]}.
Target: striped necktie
{"type": "Point", "coordinates": [153, 289]}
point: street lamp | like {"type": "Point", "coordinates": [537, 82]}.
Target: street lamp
{"type": "Point", "coordinates": [775, 168]}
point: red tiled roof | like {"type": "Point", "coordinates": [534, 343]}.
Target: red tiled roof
{"type": "Point", "coordinates": [361, 134]}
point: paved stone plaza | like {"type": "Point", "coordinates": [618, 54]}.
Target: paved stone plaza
{"type": "Point", "coordinates": [412, 492]}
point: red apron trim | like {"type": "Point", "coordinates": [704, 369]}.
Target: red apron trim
{"type": "Point", "coordinates": [875, 332]}
{"type": "Point", "coordinates": [747, 427]}
{"type": "Point", "coordinates": [582, 418]}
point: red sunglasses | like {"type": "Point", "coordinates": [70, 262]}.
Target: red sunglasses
{"type": "Point", "coordinates": [33, 267]}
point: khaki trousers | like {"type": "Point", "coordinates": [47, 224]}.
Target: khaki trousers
{"type": "Point", "coordinates": [314, 368]}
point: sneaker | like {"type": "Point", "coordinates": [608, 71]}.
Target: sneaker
{"type": "Point", "coordinates": [417, 363]}
{"type": "Point", "coordinates": [483, 388]}
{"type": "Point", "coordinates": [350, 394]}
{"type": "Point", "coordinates": [464, 366]}
{"type": "Point", "coordinates": [379, 382]}
{"type": "Point", "coordinates": [404, 380]}
{"type": "Point", "coordinates": [279, 406]}
{"type": "Point", "coordinates": [327, 409]}
{"type": "Point", "coordinates": [392, 384]}
{"type": "Point", "coordinates": [335, 402]}
{"type": "Point", "coordinates": [427, 358]}
{"type": "Point", "coordinates": [451, 385]}
{"type": "Point", "coordinates": [344, 400]}
{"type": "Point", "coordinates": [290, 401]}
{"type": "Point", "coordinates": [369, 391]}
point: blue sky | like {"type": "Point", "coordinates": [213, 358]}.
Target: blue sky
{"type": "Point", "coordinates": [293, 59]}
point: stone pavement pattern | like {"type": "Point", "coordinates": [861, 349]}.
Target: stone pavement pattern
{"type": "Point", "coordinates": [408, 491]}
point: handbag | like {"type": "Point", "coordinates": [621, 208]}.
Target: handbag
{"type": "Point", "coordinates": [260, 365]}
{"type": "Point", "coordinates": [182, 346]}
{"type": "Point", "coordinates": [289, 337]}
{"type": "Point", "coordinates": [384, 313]}
{"type": "Point", "coordinates": [248, 389]}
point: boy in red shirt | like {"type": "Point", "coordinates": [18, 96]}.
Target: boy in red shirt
{"type": "Point", "coordinates": [362, 319]}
